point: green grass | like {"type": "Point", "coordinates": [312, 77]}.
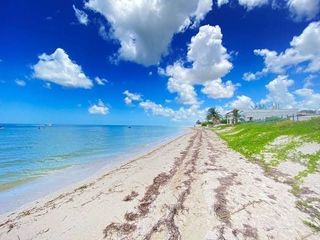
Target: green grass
{"type": "Point", "coordinates": [252, 138]}
{"type": "Point", "coordinates": [282, 152]}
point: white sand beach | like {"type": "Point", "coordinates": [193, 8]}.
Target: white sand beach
{"type": "Point", "coordinates": [193, 187]}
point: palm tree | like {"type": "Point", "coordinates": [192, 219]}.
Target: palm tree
{"type": "Point", "coordinates": [213, 115]}
{"type": "Point", "coordinates": [236, 115]}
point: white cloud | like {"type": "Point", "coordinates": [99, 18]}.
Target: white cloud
{"type": "Point", "coordinates": [179, 83]}
{"type": "Point", "coordinates": [145, 28]}
{"type": "Point", "coordinates": [204, 6]}
{"type": "Point", "coordinates": [279, 94]}
{"type": "Point", "coordinates": [217, 89]}
{"type": "Point", "coordinates": [222, 2]}
{"type": "Point", "coordinates": [250, 4]}
{"type": "Point", "coordinates": [100, 108]}
{"type": "Point", "coordinates": [131, 97]}
{"type": "Point", "coordinates": [209, 62]}
{"type": "Point", "coordinates": [101, 81]}
{"type": "Point", "coordinates": [191, 114]}
{"type": "Point", "coordinates": [21, 83]}
{"type": "Point", "coordinates": [308, 81]}
{"type": "Point", "coordinates": [157, 109]}
{"type": "Point", "coordinates": [242, 102]}
{"type": "Point", "coordinates": [299, 9]}
{"type": "Point", "coordinates": [309, 99]}
{"type": "Point", "coordinates": [58, 68]}
{"type": "Point", "coordinates": [81, 15]}
{"type": "Point", "coordinates": [304, 54]}
{"type": "Point", "coordinates": [103, 32]}
{"type": "Point", "coordinates": [304, 9]}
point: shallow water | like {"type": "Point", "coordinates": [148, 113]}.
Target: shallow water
{"type": "Point", "coordinates": [28, 153]}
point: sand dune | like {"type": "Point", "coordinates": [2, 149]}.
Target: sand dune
{"type": "Point", "coordinates": [193, 187]}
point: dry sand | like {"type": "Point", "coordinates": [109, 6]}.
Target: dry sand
{"type": "Point", "coordinates": [191, 188]}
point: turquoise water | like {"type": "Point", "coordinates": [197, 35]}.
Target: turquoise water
{"type": "Point", "coordinates": [28, 153]}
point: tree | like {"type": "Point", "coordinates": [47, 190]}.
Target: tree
{"type": "Point", "coordinates": [236, 115]}
{"type": "Point", "coordinates": [213, 115]}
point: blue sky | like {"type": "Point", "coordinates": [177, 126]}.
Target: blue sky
{"type": "Point", "coordinates": [155, 62]}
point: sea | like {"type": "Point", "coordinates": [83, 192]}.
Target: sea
{"type": "Point", "coordinates": [36, 160]}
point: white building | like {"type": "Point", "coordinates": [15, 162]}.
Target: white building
{"type": "Point", "coordinates": [263, 115]}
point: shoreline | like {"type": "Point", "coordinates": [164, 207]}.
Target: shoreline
{"type": "Point", "coordinates": [58, 180]}
{"type": "Point", "coordinates": [193, 187]}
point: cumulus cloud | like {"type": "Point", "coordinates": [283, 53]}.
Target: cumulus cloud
{"type": "Point", "coordinates": [101, 81]}
{"type": "Point", "coordinates": [304, 9]}
{"type": "Point", "coordinates": [308, 81]}
{"type": "Point", "coordinates": [222, 2]}
{"type": "Point", "coordinates": [103, 32]}
{"type": "Point", "coordinates": [21, 83]}
{"type": "Point", "coordinates": [279, 94]}
{"type": "Point", "coordinates": [308, 99]}
{"type": "Point", "coordinates": [100, 108]}
{"type": "Point", "coordinates": [304, 54]}
{"type": "Point", "coordinates": [208, 62]}
{"type": "Point", "coordinates": [145, 28]}
{"type": "Point", "coordinates": [250, 4]}
{"type": "Point", "coordinates": [81, 15]}
{"type": "Point", "coordinates": [242, 102]}
{"type": "Point", "coordinates": [217, 89]}
{"type": "Point", "coordinates": [191, 114]}
{"type": "Point", "coordinates": [248, 76]}
{"type": "Point", "coordinates": [131, 97]}
{"type": "Point", "coordinates": [58, 68]}
{"type": "Point", "coordinates": [299, 9]}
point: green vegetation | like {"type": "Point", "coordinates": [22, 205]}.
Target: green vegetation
{"type": "Point", "coordinates": [251, 138]}
{"type": "Point", "coordinates": [254, 139]}
{"type": "Point", "coordinates": [213, 115]}
{"type": "Point", "coordinates": [309, 207]}
{"type": "Point", "coordinates": [236, 115]}
{"type": "Point", "coordinates": [257, 142]}
{"type": "Point", "coordinates": [205, 124]}
{"type": "Point", "coordinates": [282, 152]}
{"type": "Point", "coordinates": [312, 225]}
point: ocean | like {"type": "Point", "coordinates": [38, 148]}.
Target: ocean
{"type": "Point", "coordinates": [33, 157]}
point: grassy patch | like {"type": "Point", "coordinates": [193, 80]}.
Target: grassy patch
{"type": "Point", "coordinates": [251, 138]}
{"type": "Point", "coordinates": [281, 154]}
{"type": "Point", "coordinates": [312, 167]}
{"type": "Point", "coordinates": [312, 225]}
{"type": "Point", "coordinates": [254, 140]}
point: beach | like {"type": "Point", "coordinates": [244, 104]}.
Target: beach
{"type": "Point", "coordinates": [193, 187]}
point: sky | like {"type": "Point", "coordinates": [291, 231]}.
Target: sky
{"type": "Point", "coordinates": [155, 62]}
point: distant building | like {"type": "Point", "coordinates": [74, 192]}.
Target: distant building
{"type": "Point", "coordinates": [308, 114]}
{"type": "Point", "coordinates": [263, 115]}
